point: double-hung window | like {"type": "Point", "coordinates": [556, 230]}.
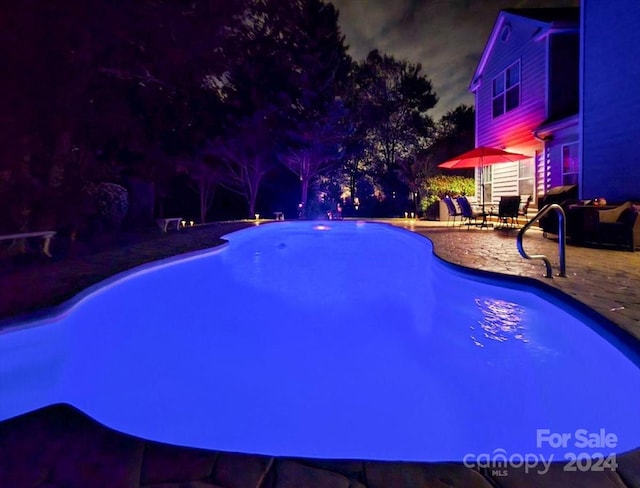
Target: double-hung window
{"type": "Point", "coordinates": [487, 184]}
{"type": "Point", "coordinates": [506, 90]}
{"type": "Point", "coordinates": [570, 164]}
{"type": "Point", "coordinates": [525, 177]}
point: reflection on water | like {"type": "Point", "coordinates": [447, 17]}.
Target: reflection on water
{"type": "Point", "coordinates": [501, 321]}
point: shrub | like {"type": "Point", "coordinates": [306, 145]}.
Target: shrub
{"type": "Point", "coordinates": [441, 185]}
{"type": "Point", "coordinates": [111, 199]}
{"type": "Point", "coordinates": [438, 186]}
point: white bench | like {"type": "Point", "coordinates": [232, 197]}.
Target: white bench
{"type": "Point", "coordinates": [47, 235]}
{"type": "Point", "coordinates": [164, 223]}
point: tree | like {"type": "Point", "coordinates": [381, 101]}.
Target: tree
{"type": "Point", "coordinates": [160, 73]}
{"type": "Point", "coordinates": [414, 171]}
{"type": "Point", "coordinates": [396, 97]}
{"type": "Point", "coordinates": [454, 133]}
{"type": "Point", "coordinates": [390, 100]}
{"type": "Point", "coordinates": [254, 88]}
{"type": "Point", "coordinates": [318, 149]}
{"type": "Point", "coordinates": [284, 62]}
{"type": "Point", "coordinates": [50, 48]}
{"type": "Point", "coordinates": [91, 76]}
{"type": "Point", "coordinates": [249, 154]}
{"type": "Point", "coordinates": [207, 172]}
{"type": "Point", "coordinates": [315, 138]}
{"type": "Point", "coordinates": [355, 162]}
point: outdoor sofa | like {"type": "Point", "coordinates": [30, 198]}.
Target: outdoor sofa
{"type": "Point", "coordinates": [620, 226]}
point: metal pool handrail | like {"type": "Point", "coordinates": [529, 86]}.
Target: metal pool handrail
{"type": "Point", "coordinates": [562, 232]}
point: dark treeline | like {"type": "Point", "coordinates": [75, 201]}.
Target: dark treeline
{"type": "Point", "coordinates": [207, 110]}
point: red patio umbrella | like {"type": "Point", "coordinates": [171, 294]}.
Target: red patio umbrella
{"type": "Point", "coordinates": [479, 157]}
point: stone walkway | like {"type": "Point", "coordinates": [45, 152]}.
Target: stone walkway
{"type": "Point", "coordinates": [60, 447]}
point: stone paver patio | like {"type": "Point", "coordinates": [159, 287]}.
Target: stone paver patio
{"type": "Point", "coordinates": [606, 280]}
{"type": "Point", "coordinates": [60, 447]}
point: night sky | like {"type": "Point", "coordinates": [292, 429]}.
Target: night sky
{"type": "Point", "coordinates": [445, 36]}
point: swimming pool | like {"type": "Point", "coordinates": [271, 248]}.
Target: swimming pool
{"type": "Point", "coordinates": [335, 340]}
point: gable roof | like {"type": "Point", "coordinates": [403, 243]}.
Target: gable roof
{"type": "Point", "coordinates": [549, 20]}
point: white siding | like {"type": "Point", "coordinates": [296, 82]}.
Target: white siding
{"type": "Point", "coordinates": [505, 179]}
{"type": "Point", "coordinates": [554, 149]}
{"type": "Point", "coordinates": [514, 128]}
{"type": "Point", "coordinates": [543, 172]}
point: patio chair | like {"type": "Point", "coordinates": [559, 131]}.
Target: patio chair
{"type": "Point", "coordinates": [624, 230]}
{"type": "Point", "coordinates": [524, 210]}
{"type": "Point", "coordinates": [451, 208]}
{"type": "Point", "coordinates": [474, 217]}
{"type": "Point", "coordinates": [508, 211]}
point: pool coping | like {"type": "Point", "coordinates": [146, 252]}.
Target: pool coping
{"type": "Point", "coordinates": [624, 337]}
{"type": "Point", "coordinates": [397, 467]}
{"type": "Point", "coordinates": [51, 314]}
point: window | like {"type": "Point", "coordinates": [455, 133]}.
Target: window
{"type": "Point", "coordinates": [487, 179]}
{"type": "Point", "coordinates": [505, 34]}
{"type": "Point", "coordinates": [506, 90]}
{"type": "Point", "coordinates": [570, 164]}
{"type": "Point", "coordinates": [525, 177]}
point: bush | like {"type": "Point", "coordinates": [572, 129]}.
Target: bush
{"type": "Point", "coordinates": [112, 201]}
{"type": "Point", "coordinates": [442, 185]}
{"type": "Point", "coordinates": [426, 205]}
{"type": "Point", "coordinates": [438, 186]}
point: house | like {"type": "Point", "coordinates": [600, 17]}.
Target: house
{"type": "Point", "coordinates": [610, 100]}
{"type": "Point", "coordinates": [526, 89]}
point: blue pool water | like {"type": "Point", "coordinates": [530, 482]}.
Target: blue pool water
{"type": "Point", "coordinates": [335, 340]}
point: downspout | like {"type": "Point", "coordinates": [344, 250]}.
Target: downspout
{"type": "Point", "coordinates": [480, 189]}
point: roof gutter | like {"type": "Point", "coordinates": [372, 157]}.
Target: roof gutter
{"type": "Point", "coordinates": [545, 132]}
{"type": "Point", "coordinates": [556, 30]}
